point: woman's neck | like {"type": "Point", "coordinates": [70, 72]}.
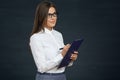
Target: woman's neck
{"type": "Point", "coordinates": [49, 28]}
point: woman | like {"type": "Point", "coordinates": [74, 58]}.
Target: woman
{"type": "Point", "coordinates": [45, 43]}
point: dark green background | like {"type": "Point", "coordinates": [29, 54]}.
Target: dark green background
{"type": "Point", "coordinates": [97, 21]}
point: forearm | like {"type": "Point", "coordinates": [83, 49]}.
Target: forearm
{"type": "Point", "coordinates": [44, 66]}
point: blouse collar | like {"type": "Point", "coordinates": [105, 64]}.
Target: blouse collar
{"type": "Point", "coordinates": [48, 31]}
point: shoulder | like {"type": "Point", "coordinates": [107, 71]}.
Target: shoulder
{"type": "Point", "coordinates": [57, 32]}
{"type": "Point", "coordinates": [36, 36]}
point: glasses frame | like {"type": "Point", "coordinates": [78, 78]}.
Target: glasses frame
{"type": "Point", "coordinates": [50, 15]}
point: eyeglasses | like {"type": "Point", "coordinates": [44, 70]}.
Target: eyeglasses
{"type": "Point", "coordinates": [50, 15]}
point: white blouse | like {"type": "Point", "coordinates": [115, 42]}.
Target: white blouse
{"type": "Point", "coordinates": [45, 50]}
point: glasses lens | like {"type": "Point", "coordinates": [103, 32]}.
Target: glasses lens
{"type": "Point", "coordinates": [50, 15]}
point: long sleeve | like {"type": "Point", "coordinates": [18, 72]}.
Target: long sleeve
{"type": "Point", "coordinates": [39, 56]}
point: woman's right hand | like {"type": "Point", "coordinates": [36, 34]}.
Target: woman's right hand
{"type": "Point", "coordinates": [65, 49]}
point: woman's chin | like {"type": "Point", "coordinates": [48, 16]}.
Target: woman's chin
{"type": "Point", "coordinates": [52, 25]}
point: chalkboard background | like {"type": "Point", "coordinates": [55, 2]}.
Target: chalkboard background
{"type": "Point", "coordinates": [97, 21]}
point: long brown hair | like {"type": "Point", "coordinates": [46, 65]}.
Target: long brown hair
{"type": "Point", "coordinates": [41, 15]}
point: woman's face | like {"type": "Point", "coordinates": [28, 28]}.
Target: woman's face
{"type": "Point", "coordinates": [51, 18]}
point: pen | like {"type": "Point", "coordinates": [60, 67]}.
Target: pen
{"type": "Point", "coordinates": [60, 48]}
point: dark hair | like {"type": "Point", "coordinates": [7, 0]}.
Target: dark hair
{"type": "Point", "coordinates": [41, 15]}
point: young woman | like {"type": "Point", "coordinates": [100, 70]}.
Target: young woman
{"type": "Point", "coordinates": [45, 44]}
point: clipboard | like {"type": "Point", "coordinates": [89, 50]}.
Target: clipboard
{"type": "Point", "coordinates": [74, 47]}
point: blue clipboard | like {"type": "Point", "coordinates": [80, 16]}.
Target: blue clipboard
{"type": "Point", "coordinates": [74, 47]}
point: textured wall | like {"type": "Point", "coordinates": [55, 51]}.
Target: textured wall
{"type": "Point", "coordinates": [98, 21]}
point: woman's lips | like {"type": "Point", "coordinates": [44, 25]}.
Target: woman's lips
{"type": "Point", "coordinates": [53, 22]}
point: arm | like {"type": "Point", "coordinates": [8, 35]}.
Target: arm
{"type": "Point", "coordinates": [39, 56]}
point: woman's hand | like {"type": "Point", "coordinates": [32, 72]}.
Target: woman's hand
{"type": "Point", "coordinates": [74, 56]}
{"type": "Point", "coordinates": [65, 49]}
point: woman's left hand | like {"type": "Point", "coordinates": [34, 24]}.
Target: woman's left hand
{"type": "Point", "coordinates": [74, 56]}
